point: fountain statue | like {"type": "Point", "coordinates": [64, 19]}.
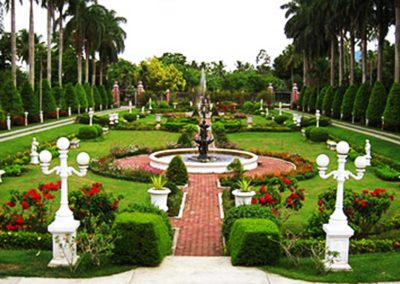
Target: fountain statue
{"type": "Point", "coordinates": [203, 142]}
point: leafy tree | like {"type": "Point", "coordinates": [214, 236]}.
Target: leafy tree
{"type": "Point", "coordinates": [337, 101]}
{"type": "Point", "coordinates": [81, 95]}
{"type": "Point", "coordinates": [348, 102]}
{"type": "Point", "coordinates": [10, 98]}
{"type": "Point", "coordinates": [376, 104]}
{"type": "Point", "coordinates": [49, 104]}
{"type": "Point", "coordinates": [328, 101]}
{"type": "Point", "coordinates": [392, 109]}
{"type": "Point", "coordinates": [71, 99]}
{"type": "Point", "coordinates": [361, 102]}
{"type": "Point", "coordinates": [30, 101]}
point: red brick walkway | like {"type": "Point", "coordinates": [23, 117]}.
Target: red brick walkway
{"type": "Point", "coordinates": [200, 227]}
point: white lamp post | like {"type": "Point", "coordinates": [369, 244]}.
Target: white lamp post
{"type": "Point", "coordinates": [26, 118]}
{"type": "Point", "coordinates": [158, 120]}
{"type": "Point", "coordinates": [298, 121]}
{"type": "Point", "coordinates": [280, 108]}
{"type": "Point", "coordinates": [8, 121]}
{"type": "Point", "coordinates": [64, 226]}
{"type": "Point", "coordinates": [91, 113]}
{"type": "Point", "coordinates": [317, 116]}
{"type": "Point", "coordinates": [58, 112]}
{"type": "Point", "coordinates": [261, 104]}
{"type": "Point", "coordinates": [249, 121]}
{"type": "Point", "coordinates": [41, 117]}
{"type": "Point", "coordinates": [383, 122]}
{"type": "Point", "coordinates": [130, 106]}
{"type": "Point", "coordinates": [69, 111]}
{"type": "Point", "coordinates": [266, 111]}
{"type": "Point", "coordinates": [79, 109]}
{"type": "Point", "coordinates": [150, 106]}
{"type": "Point", "coordinates": [142, 109]}
{"type": "Point", "coordinates": [338, 232]}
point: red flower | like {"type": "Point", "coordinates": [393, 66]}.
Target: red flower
{"type": "Point", "coordinates": [19, 220]}
{"type": "Point", "coordinates": [10, 204]}
{"type": "Point", "coordinates": [253, 201]}
{"type": "Point", "coordinates": [321, 209]}
{"type": "Point", "coordinates": [364, 203]}
{"type": "Point", "coordinates": [290, 201]}
{"type": "Point", "coordinates": [391, 198]}
{"type": "Point", "coordinates": [295, 195]}
{"type": "Point", "coordinates": [262, 189]}
{"type": "Point", "coordinates": [48, 196]}
{"type": "Point", "coordinates": [93, 190]}
{"type": "Point", "coordinates": [59, 183]}
{"type": "Point", "coordinates": [25, 205]}
{"type": "Point", "coordinates": [268, 198]}
{"type": "Point", "coordinates": [365, 191]}
{"type": "Point", "coordinates": [97, 184]}
{"type": "Point", "coordinates": [11, 227]}
{"type": "Point", "coordinates": [262, 200]}
{"type": "Point", "coordinates": [286, 181]}
{"type": "Point", "coordinates": [320, 202]}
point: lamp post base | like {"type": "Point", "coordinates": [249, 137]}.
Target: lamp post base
{"type": "Point", "coordinates": [64, 243]}
{"type": "Point", "coordinates": [337, 247]}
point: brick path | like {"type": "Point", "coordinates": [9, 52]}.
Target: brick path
{"type": "Point", "coordinates": [200, 227]}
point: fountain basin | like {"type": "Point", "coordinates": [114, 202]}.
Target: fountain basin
{"type": "Point", "coordinates": [160, 160]}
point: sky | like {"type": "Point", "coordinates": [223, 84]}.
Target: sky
{"type": "Point", "coordinates": [206, 30]}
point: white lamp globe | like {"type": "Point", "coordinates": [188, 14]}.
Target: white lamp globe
{"type": "Point", "coordinates": [323, 160]}
{"type": "Point", "coordinates": [45, 156]}
{"type": "Point", "coordinates": [343, 148]}
{"type": "Point", "coordinates": [360, 162]}
{"type": "Point", "coordinates": [63, 143]}
{"type": "Point", "coordinates": [83, 158]}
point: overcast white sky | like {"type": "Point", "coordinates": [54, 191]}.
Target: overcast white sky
{"type": "Point", "coordinates": [206, 30]}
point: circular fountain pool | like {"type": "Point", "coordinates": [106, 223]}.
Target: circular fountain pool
{"type": "Point", "coordinates": [220, 159]}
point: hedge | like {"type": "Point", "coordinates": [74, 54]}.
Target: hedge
{"type": "Point", "coordinates": [246, 211]}
{"type": "Point", "coordinates": [361, 102]}
{"type": "Point", "coordinates": [177, 172]}
{"type": "Point", "coordinates": [81, 95]}
{"type": "Point", "coordinates": [318, 134]}
{"type": "Point", "coordinates": [376, 104]}
{"type": "Point", "coordinates": [392, 109]}
{"type": "Point", "coordinates": [337, 102]}
{"type": "Point", "coordinates": [328, 101]}
{"type": "Point", "coordinates": [71, 99]}
{"type": "Point", "coordinates": [25, 240]}
{"type": "Point", "coordinates": [254, 242]}
{"type": "Point", "coordinates": [141, 239]}
{"type": "Point", "coordinates": [10, 99]}
{"type": "Point", "coordinates": [89, 132]}
{"type": "Point", "coordinates": [348, 102]}
{"type": "Point", "coordinates": [30, 101]}
{"type": "Point", "coordinates": [387, 173]}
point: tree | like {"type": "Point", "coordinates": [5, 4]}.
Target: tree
{"type": "Point", "coordinates": [89, 94]}
{"type": "Point", "coordinates": [337, 102]}
{"type": "Point", "coordinates": [392, 109]}
{"type": "Point", "coordinates": [397, 42]}
{"type": "Point", "coordinates": [10, 99]}
{"type": "Point", "coordinates": [49, 103]}
{"type": "Point", "coordinates": [328, 101]}
{"type": "Point", "coordinates": [104, 96]}
{"type": "Point", "coordinates": [59, 97]}
{"type": "Point", "coordinates": [97, 98]}
{"type": "Point", "coordinates": [30, 101]}
{"type": "Point", "coordinates": [81, 95]}
{"type": "Point", "coordinates": [348, 102]}
{"type": "Point", "coordinates": [361, 102]}
{"type": "Point", "coordinates": [376, 104]}
{"type": "Point", "coordinates": [321, 97]}
{"type": "Point", "coordinates": [71, 99]}
{"type": "Point", "coordinates": [31, 45]}
{"type": "Point", "coordinates": [312, 100]}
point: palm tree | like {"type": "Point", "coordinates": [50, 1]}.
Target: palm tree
{"type": "Point", "coordinates": [31, 46]}
{"type": "Point", "coordinates": [397, 42]}
{"type": "Point", "coordinates": [49, 4]}
{"type": "Point", "coordinates": [10, 5]}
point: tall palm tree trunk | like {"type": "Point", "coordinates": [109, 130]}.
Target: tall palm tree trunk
{"type": "Point", "coordinates": [60, 52]}
{"type": "Point", "coordinates": [93, 70]}
{"type": "Point", "coordinates": [397, 42]}
{"type": "Point", "coordinates": [381, 40]}
{"type": "Point", "coordinates": [13, 45]}
{"type": "Point", "coordinates": [31, 47]}
{"type": "Point", "coordinates": [364, 52]}
{"type": "Point", "coordinates": [341, 59]}
{"type": "Point", "coordinates": [79, 62]}
{"type": "Point", "coordinates": [305, 69]}
{"type": "Point", "coordinates": [333, 61]}
{"type": "Point", "coordinates": [352, 57]}
{"type": "Point", "coordinates": [87, 65]}
{"type": "Point", "coordinates": [49, 39]}
{"type": "Point", "coordinates": [101, 71]}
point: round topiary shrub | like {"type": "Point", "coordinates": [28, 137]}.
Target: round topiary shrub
{"type": "Point", "coordinates": [248, 107]}
{"type": "Point", "coordinates": [129, 117]}
{"type": "Point", "coordinates": [246, 211]}
{"type": "Point", "coordinates": [280, 119]}
{"type": "Point", "coordinates": [88, 132]}
{"type": "Point", "coordinates": [318, 134]}
{"type": "Point", "coordinates": [163, 105]}
{"type": "Point", "coordinates": [177, 171]}
{"type": "Point", "coordinates": [376, 104]}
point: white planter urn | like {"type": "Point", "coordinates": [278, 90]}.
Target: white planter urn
{"type": "Point", "coordinates": [159, 197]}
{"type": "Point", "coordinates": [242, 197]}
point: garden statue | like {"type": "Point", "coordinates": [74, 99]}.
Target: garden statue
{"type": "Point", "coordinates": [34, 154]}
{"type": "Point", "coordinates": [167, 96]}
{"type": "Point", "coordinates": [8, 122]}
{"type": "Point", "coordinates": [142, 109]}
{"type": "Point", "coordinates": [368, 152]}
{"type": "Point", "coordinates": [150, 107]}
{"type": "Point", "coordinates": [26, 118]}
{"type": "Point", "coordinates": [295, 96]}
{"type": "Point", "coordinates": [203, 142]}
{"type": "Point", "coordinates": [270, 95]}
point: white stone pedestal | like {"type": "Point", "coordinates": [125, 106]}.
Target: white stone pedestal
{"type": "Point", "coordinates": [64, 242]}
{"type": "Point", "coordinates": [337, 240]}
{"type": "Point", "coordinates": [34, 158]}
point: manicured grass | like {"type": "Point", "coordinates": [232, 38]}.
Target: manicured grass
{"type": "Point", "coordinates": [33, 263]}
{"type": "Point", "coordinates": [366, 268]}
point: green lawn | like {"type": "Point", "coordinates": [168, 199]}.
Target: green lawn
{"type": "Point", "coordinates": [366, 268]}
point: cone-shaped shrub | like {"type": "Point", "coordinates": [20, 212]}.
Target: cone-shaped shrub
{"type": "Point", "coordinates": [392, 109]}
{"type": "Point", "coordinates": [48, 104]}
{"type": "Point", "coordinates": [81, 95]}
{"type": "Point", "coordinates": [312, 100]}
{"type": "Point", "coordinates": [320, 98]}
{"type": "Point", "coordinates": [10, 98]}
{"type": "Point", "coordinates": [30, 101]}
{"type": "Point", "coordinates": [71, 98]}
{"type": "Point", "coordinates": [301, 98]}
{"type": "Point", "coordinates": [59, 96]}
{"type": "Point", "coordinates": [337, 101]}
{"type": "Point", "coordinates": [348, 102]}
{"type": "Point", "coordinates": [361, 102]}
{"type": "Point", "coordinates": [89, 94]}
{"type": "Point", "coordinates": [97, 97]}
{"type": "Point", "coordinates": [328, 101]}
{"type": "Point", "coordinates": [104, 97]}
{"type": "Point", "coordinates": [304, 106]}
{"type": "Point", "coordinates": [376, 104]}
{"type": "Point", "coordinates": [177, 172]}
{"type": "Point", "coordinates": [110, 97]}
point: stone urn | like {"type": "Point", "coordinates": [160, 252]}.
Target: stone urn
{"type": "Point", "coordinates": [242, 197]}
{"type": "Point", "coordinates": [159, 197]}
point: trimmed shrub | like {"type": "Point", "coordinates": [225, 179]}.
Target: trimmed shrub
{"type": "Point", "coordinates": [337, 102]}
{"type": "Point", "coordinates": [312, 100]}
{"type": "Point", "coordinates": [30, 101]}
{"type": "Point", "coordinates": [280, 119]}
{"type": "Point", "coordinates": [129, 117]}
{"type": "Point", "coordinates": [104, 97]}
{"type": "Point", "coordinates": [71, 99]}
{"type": "Point", "coordinates": [318, 134]}
{"type": "Point", "coordinates": [150, 208]}
{"type": "Point", "coordinates": [328, 101]}
{"type": "Point", "coordinates": [110, 97]}
{"type": "Point", "coordinates": [306, 98]}
{"type": "Point", "coordinates": [321, 97]}
{"type": "Point", "coordinates": [141, 239]}
{"type": "Point", "coordinates": [59, 97]}
{"type": "Point", "coordinates": [254, 242]}
{"type": "Point", "coordinates": [376, 104]}
{"type": "Point", "coordinates": [163, 105]}
{"type": "Point", "coordinates": [248, 107]}
{"type": "Point", "coordinates": [387, 173]}
{"type": "Point", "coordinates": [177, 171]}
{"type": "Point", "coordinates": [25, 240]}
{"type": "Point", "coordinates": [348, 102]}
{"type": "Point", "coordinates": [88, 132]}
{"type": "Point", "coordinates": [97, 97]}
{"type": "Point", "coordinates": [361, 102]}
{"type": "Point", "coordinates": [10, 99]}
{"type": "Point", "coordinates": [81, 95]}
{"type": "Point", "coordinates": [246, 211]}
{"type": "Point", "coordinates": [219, 132]}
{"type": "Point", "coordinates": [392, 109]}
{"type": "Point", "coordinates": [89, 94]}
{"type": "Point", "coordinates": [49, 103]}
{"type": "Point", "coordinates": [301, 97]}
